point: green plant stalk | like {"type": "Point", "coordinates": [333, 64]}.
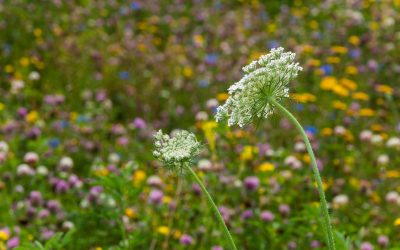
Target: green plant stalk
{"type": "Point", "coordinates": [324, 205]}
{"type": "Point", "coordinates": [213, 207]}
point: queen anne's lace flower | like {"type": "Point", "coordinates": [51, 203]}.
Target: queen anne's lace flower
{"type": "Point", "coordinates": [266, 78]}
{"type": "Point", "coordinates": [176, 150]}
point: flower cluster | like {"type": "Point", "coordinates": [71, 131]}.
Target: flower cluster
{"type": "Point", "coordinates": [266, 78]}
{"type": "Point", "coordinates": [177, 150]}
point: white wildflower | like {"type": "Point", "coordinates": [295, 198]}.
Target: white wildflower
{"type": "Point", "coordinates": [176, 150]}
{"type": "Point", "coordinates": [266, 78]}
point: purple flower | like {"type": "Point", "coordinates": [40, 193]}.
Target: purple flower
{"type": "Point", "coordinates": [383, 240]}
{"type": "Point", "coordinates": [315, 244]}
{"type": "Point", "coordinates": [47, 234]}
{"type": "Point", "coordinates": [267, 216]}
{"type": "Point", "coordinates": [53, 206]}
{"type": "Point", "coordinates": [61, 186]}
{"type": "Point", "coordinates": [13, 242]}
{"type": "Point", "coordinates": [44, 213]}
{"type": "Point", "coordinates": [251, 183]}
{"type": "Point", "coordinates": [284, 209]}
{"type": "Point", "coordinates": [139, 123]}
{"type": "Point", "coordinates": [186, 239]}
{"type": "Point", "coordinates": [217, 248]}
{"type": "Point", "coordinates": [366, 246]}
{"type": "Point", "coordinates": [35, 198]}
{"type": "Point", "coordinates": [247, 214]}
{"type": "Point", "coordinates": [156, 196]}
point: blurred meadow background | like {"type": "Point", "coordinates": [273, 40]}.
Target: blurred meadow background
{"type": "Point", "coordinates": [85, 84]}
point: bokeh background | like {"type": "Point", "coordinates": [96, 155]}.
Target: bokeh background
{"type": "Point", "coordinates": [85, 84]}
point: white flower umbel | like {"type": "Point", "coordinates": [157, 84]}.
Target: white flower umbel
{"type": "Point", "coordinates": [265, 79]}
{"type": "Point", "coordinates": [258, 94]}
{"type": "Point", "coordinates": [177, 150]}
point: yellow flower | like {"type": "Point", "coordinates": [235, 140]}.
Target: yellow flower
{"type": "Point", "coordinates": [339, 105]}
{"type": "Point", "coordinates": [366, 112]}
{"type": "Point", "coordinates": [341, 91]}
{"type": "Point", "coordinates": [304, 97]}
{"type": "Point", "coordinates": [138, 177]}
{"type": "Point", "coordinates": [266, 167]}
{"type": "Point", "coordinates": [24, 61]}
{"type": "Point", "coordinates": [271, 28]}
{"type": "Point", "coordinates": [37, 32]}
{"type": "Point", "coordinates": [361, 96]}
{"type": "Point", "coordinates": [167, 199]}
{"type": "Point", "coordinates": [248, 153]}
{"type": "Point", "coordinates": [130, 213]}
{"type": "Point", "coordinates": [351, 70]}
{"type": "Point", "coordinates": [328, 83]}
{"type": "Point", "coordinates": [307, 48]}
{"type": "Point", "coordinates": [187, 72]}
{"type": "Point", "coordinates": [198, 40]}
{"type": "Point", "coordinates": [98, 248]}
{"type": "Point", "coordinates": [32, 116]}
{"type": "Point", "coordinates": [313, 24]}
{"type": "Point", "coordinates": [163, 230]}
{"type": "Point", "coordinates": [209, 132]}
{"type": "Point", "coordinates": [102, 172]}
{"type": "Point", "coordinates": [327, 131]}
{"type": "Point", "coordinates": [349, 84]}
{"type": "Point", "coordinates": [333, 60]}
{"type": "Point", "coordinates": [314, 62]}
{"type": "Point", "coordinates": [8, 68]}
{"type": "Point", "coordinates": [306, 158]}
{"type": "Point", "coordinates": [354, 40]}
{"type": "Point", "coordinates": [354, 182]}
{"type": "Point", "coordinates": [222, 97]}
{"type": "Point", "coordinates": [385, 89]}
{"type": "Point", "coordinates": [397, 222]}
{"type": "Point", "coordinates": [4, 236]}
{"type": "Point", "coordinates": [393, 174]}
{"type": "Point", "coordinates": [376, 127]}
{"type": "Point", "coordinates": [339, 49]}
{"type": "Point", "coordinates": [177, 234]}
{"type": "Point", "coordinates": [2, 106]}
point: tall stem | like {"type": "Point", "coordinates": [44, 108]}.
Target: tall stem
{"type": "Point", "coordinates": [324, 206]}
{"type": "Point", "coordinates": [213, 207]}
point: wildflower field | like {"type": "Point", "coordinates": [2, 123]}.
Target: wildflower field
{"type": "Point", "coordinates": [193, 124]}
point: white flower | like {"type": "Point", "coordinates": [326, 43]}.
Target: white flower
{"type": "Point", "coordinates": [176, 150]}
{"type": "Point", "coordinates": [34, 76]}
{"type": "Point", "coordinates": [393, 142]}
{"type": "Point", "coordinates": [264, 79]}
{"type": "Point", "coordinates": [340, 200]}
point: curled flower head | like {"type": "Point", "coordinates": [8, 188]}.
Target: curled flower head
{"type": "Point", "coordinates": [265, 79]}
{"type": "Point", "coordinates": [177, 150]}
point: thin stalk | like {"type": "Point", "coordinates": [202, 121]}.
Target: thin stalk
{"type": "Point", "coordinates": [324, 205]}
{"type": "Point", "coordinates": [214, 207]}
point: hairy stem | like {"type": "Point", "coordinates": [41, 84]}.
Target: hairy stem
{"type": "Point", "coordinates": [213, 207]}
{"type": "Point", "coordinates": [324, 206]}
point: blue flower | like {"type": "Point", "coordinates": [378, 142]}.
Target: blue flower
{"type": "Point", "coordinates": [273, 44]}
{"type": "Point", "coordinates": [54, 142]}
{"type": "Point", "coordinates": [211, 58]}
{"type": "Point", "coordinates": [136, 6]}
{"type": "Point", "coordinates": [124, 75]}
{"type": "Point", "coordinates": [311, 129]}
{"type": "Point", "coordinates": [326, 69]}
{"type": "Point", "coordinates": [299, 107]}
{"type": "Point", "coordinates": [203, 83]}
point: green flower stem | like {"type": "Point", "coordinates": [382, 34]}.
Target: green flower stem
{"type": "Point", "coordinates": [324, 206]}
{"type": "Point", "coordinates": [213, 207]}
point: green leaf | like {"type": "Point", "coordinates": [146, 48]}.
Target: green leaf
{"type": "Point", "coordinates": [341, 242]}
